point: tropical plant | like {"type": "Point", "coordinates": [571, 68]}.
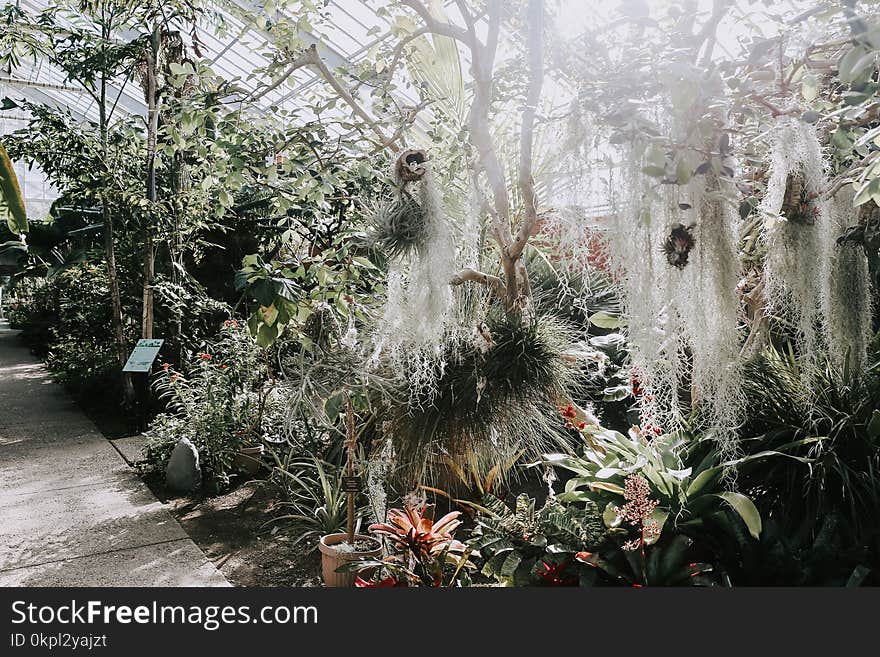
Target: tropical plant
{"type": "Point", "coordinates": [218, 402]}
{"type": "Point", "coordinates": [423, 552]}
{"type": "Point", "coordinates": [315, 504]}
{"type": "Point", "coordinates": [683, 476]}
{"type": "Point", "coordinates": [833, 420]}
{"type": "Point", "coordinates": [522, 546]}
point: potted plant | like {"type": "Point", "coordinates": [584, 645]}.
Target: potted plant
{"type": "Point", "coordinates": [249, 459]}
{"type": "Point", "coordinates": [340, 549]}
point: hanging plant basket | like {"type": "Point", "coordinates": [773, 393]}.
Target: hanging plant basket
{"type": "Point", "coordinates": [678, 245]}
{"type": "Point", "coordinates": [798, 205]}
{"type": "Point", "coordinates": [410, 165]}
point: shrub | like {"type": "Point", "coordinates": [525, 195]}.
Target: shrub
{"type": "Point", "coordinates": [66, 319]}
{"type": "Point", "coordinates": [219, 402]}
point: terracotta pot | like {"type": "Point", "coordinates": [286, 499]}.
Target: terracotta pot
{"type": "Point", "coordinates": [332, 558]}
{"type": "Point", "coordinates": [249, 460]}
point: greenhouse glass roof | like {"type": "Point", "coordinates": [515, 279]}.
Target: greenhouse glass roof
{"type": "Point", "coordinates": [233, 47]}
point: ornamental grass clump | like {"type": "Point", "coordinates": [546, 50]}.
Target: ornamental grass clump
{"type": "Point", "coordinates": [495, 392]}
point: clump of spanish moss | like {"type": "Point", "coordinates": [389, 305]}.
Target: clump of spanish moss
{"type": "Point", "coordinates": [398, 226]}
{"type": "Point", "coordinates": [495, 391]}
{"type": "Point", "coordinates": [797, 233]}
{"type": "Point", "coordinates": [846, 293]}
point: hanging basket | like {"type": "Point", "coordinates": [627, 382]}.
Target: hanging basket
{"type": "Point", "coordinates": [410, 165]}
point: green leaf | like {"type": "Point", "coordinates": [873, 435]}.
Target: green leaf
{"type": "Point", "coordinates": [266, 335]}
{"type": "Point", "coordinates": [332, 406]}
{"type": "Point", "coordinates": [269, 314]}
{"type": "Point", "coordinates": [683, 172]}
{"type": "Point", "coordinates": [606, 486]}
{"type": "Point", "coordinates": [868, 190]}
{"type": "Point", "coordinates": [746, 510]}
{"type": "Point", "coordinates": [810, 88]}
{"type": "Point", "coordinates": [511, 563]}
{"type": "Point", "coordinates": [363, 262]}
{"type": "Point", "coordinates": [659, 516]}
{"type": "Point", "coordinates": [605, 320]}
{"type": "Point", "coordinates": [654, 171]}
{"type": "Point", "coordinates": [611, 516]}
{"type": "Point", "coordinates": [848, 68]}
{"type": "Point", "coordinates": [702, 480]}
{"type": "Point", "coordinates": [858, 576]}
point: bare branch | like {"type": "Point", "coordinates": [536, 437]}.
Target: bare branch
{"type": "Point", "coordinates": [438, 27]}
{"type": "Point", "coordinates": [473, 276]}
{"type": "Point", "coordinates": [493, 34]}
{"type": "Point", "coordinates": [304, 59]}
{"type": "Point", "coordinates": [535, 21]}
{"type": "Point", "coordinates": [310, 57]}
{"type": "Point", "coordinates": [398, 49]}
{"type": "Point", "coordinates": [708, 33]}
{"type": "Point", "coordinates": [348, 98]}
{"type": "Point", "coordinates": [465, 14]}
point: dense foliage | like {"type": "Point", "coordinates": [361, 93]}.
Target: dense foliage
{"type": "Point", "coordinates": [642, 260]}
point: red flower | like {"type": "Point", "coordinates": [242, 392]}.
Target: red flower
{"type": "Point", "coordinates": [224, 367]}
{"type": "Point", "coordinates": [384, 583]}
{"type": "Point", "coordinates": [581, 425]}
{"type": "Point", "coordinates": [637, 389]}
{"type": "Point", "coordinates": [568, 412]}
{"type": "Point", "coordinates": [554, 574]}
{"type": "Point", "coordinates": [205, 356]}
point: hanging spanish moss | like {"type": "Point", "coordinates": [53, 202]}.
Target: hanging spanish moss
{"type": "Point", "coordinates": [846, 294]}
{"type": "Point", "coordinates": [709, 306]}
{"type": "Point", "coordinates": [419, 307]}
{"type": "Point", "coordinates": [672, 250]}
{"type": "Point", "coordinates": [639, 223]}
{"type": "Point", "coordinates": [796, 233]}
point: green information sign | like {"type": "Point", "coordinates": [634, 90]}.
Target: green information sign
{"type": "Point", "coordinates": [143, 355]}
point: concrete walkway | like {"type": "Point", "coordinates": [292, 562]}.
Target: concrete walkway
{"type": "Point", "coordinates": [72, 513]}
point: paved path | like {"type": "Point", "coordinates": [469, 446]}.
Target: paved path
{"type": "Point", "coordinates": [72, 513]}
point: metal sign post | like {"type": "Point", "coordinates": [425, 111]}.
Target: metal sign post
{"type": "Point", "coordinates": [141, 361]}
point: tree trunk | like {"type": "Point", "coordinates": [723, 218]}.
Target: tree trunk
{"type": "Point", "coordinates": [152, 135]}
{"type": "Point", "coordinates": [109, 248]}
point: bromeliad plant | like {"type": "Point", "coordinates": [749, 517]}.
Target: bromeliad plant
{"type": "Point", "coordinates": [422, 552]}
{"type": "Point", "coordinates": [665, 496]}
